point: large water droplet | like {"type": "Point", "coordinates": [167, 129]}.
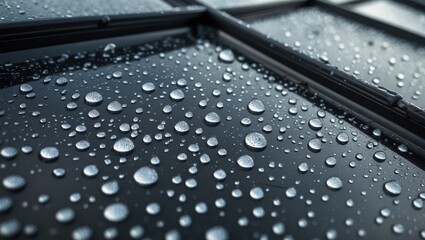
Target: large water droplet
{"type": "Point", "coordinates": [124, 146]}
{"type": "Point", "coordinates": [379, 156]}
{"type": "Point", "coordinates": [5, 204]}
{"type": "Point", "coordinates": [315, 124]}
{"type": "Point", "coordinates": [226, 56]}
{"type": "Point", "coordinates": [10, 228]}
{"type": "Point", "coordinates": [82, 145]}
{"type": "Point", "coordinates": [217, 233]}
{"type": "Point", "coordinates": [177, 95]}
{"type": "Point", "coordinates": [82, 233]}
{"type": "Point", "coordinates": [14, 182]}
{"type": "Point", "coordinates": [291, 192]}
{"type": "Point", "coordinates": [245, 162]}
{"type": "Point", "coordinates": [9, 152]}
{"type": "Point", "coordinates": [65, 215]}
{"type": "Point", "coordinates": [392, 188]}
{"type": "Point", "coordinates": [90, 171]}
{"type": "Point", "coordinates": [315, 145]}
{"type": "Point", "coordinates": [256, 193]}
{"type": "Point", "coordinates": [110, 188]}
{"type": "Point", "coordinates": [148, 87]}
{"type": "Point", "coordinates": [93, 98]}
{"type": "Point", "coordinates": [182, 127]}
{"type": "Point", "coordinates": [49, 154]}
{"type": "Point", "coordinates": [256, 106]}
{"type": "Point", "coordinates": [255, 141]}
{"type": "Point", "coordinates": [212, 119]}
{"type": "Point", "coordinates": [146, 176]}
{"type": "Point", "coordinates": [342, 138]}
{"type": "Point", "coordinates": [114, 107]}
{"type": "Point", "coordinates": [334, 183]}
{"type": "Point", "coordinates": [25, 88]}
{"type": "Point", "coordinates": [116, 212]}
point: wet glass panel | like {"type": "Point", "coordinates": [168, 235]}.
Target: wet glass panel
{"type": "Point", "coordinates": [362, 51]}
{"type": "Point", "coordinates": [184, 137]}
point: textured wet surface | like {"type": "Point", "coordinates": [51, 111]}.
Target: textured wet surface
{"type": "Point", "coordinates": [22, 10]}
{"type": "Point", "coordinates": [357, 49]}
{"type": "Point", "coordinates": [154, 141]}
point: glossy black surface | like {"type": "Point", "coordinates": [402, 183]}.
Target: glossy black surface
{"type": "Point", "coordinates": [227, 87]}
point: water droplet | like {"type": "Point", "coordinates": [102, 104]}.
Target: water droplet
{"type": "Point", "coordinates": [116, 212]}
{"type": "Point", "coordinates": [217, 233]}
{"type": "Point", "coordinates": [331, 161]}
{"type": "Point", "coordinates": [146, 176]}
{"type": "Point", "coordinates": [82, 233]}
{"type": "Point", "coordinates": [49, 154]}
{"type": "Point", "coordinates": [342, 138]}
{"type": "Point", "coordinates": [398, 229]}
{"type": "Point", "coordinates": [65, 215]}
{"type": "Point", "coordinates": [93, 99]}
{"type": "Point", "coordinates": [110, 47]}
{"type": "Point", "coordinates": [226, 56]}
{"type": "Point", "coordinates": [114, 107]}
{"type": "Point", "coordinates": [10, 228]}
{"type": "Point", "coordinates": [245, 162]}
{"type": "Point", "coordinates": [212, 119]}
{"type": "Point", "coordinates": [82, 145]}
{"type": "Point", "coordinates": [148, 87]}
{"type": "Point", "coordinates": [291, 192]}
{"type": "Point", "coordinates": [303, 167]}
{"type": "Point", "coordinates": [137, 232]}
{"type": "Point", "coordinates": [117, 74]}
{"type": "Point", "coordinates": [110, 188]}
{"type": "Point", "coordinates": [278, 228]}
{"type": "Point", "coordinates": [25, 88]}
{"type": "Point", "coordinates": [392, 188]}
{"type": "Point", "coordinates": [315, 124]}
{"type": "Point", "coordinates": [14, 182]}
{"type": "Point", "coordinates": [315, 145]}
{"type": "Point", "coordinates": [177, 95]}
{"type": "Point", "coordinates": [5, 204]}
{"type": "Point", "coordinates": [256, 106]}
{"type": "Point", "coordinates": [220, 174]}
{"type": "Point", "coordinates": [255, 141]}
{"type": "Point", "coordinates": [9, 152]}
{"type": "Point", "coordinates": [182, 127]}
{"type": "Point", "coordinates": [334, 183]}
{"type": "Point", "coordinates": [62, 81]}
{"type": "Point", "coordinates": [418, 203]}
{"type": "Point", "coordinates": [379, 156]}
{"type": "Point", "coordinates": [123, 146]}
{"type": "Point", "coordinates": [153, 208]}
{"type": "Point", "coordinates": [91, 171]}
{"type": "Point", "coordinates": [256, 193]}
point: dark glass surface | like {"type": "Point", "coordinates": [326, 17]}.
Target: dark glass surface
{"type": "Point", "coordinates": [245, 203]}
